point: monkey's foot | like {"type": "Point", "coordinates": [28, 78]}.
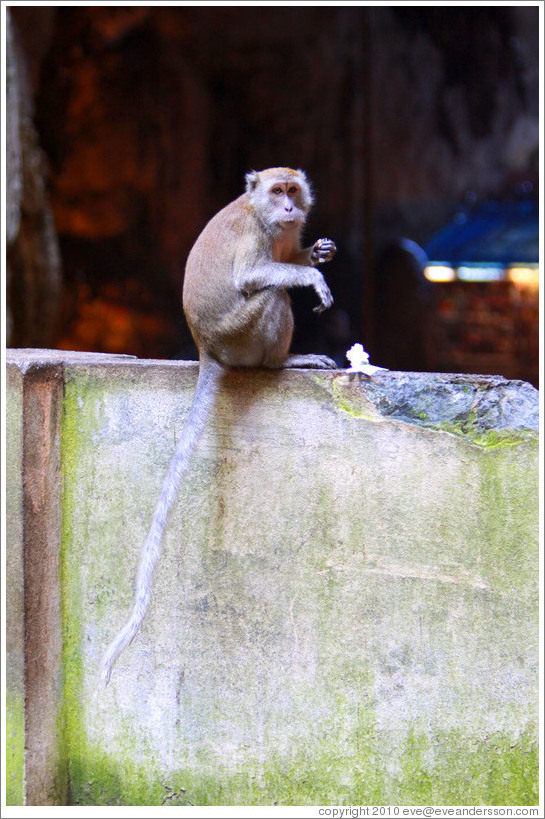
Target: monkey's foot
{"type": "Point", "coordinates": [312, 362]}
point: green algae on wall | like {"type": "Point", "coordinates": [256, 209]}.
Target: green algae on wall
{"type": "Point", "coordinates": [442, 769]}
{"type": "Point", "coordinates": [15, 749]}
{"type": "Point", "coordinates": [76, 428]}
{"type": "Point", "coordinates": [14, 632]}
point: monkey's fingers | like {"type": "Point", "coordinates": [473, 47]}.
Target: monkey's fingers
{"type": "Point", "coordinates": [324, 362]}
{"type": "Point", "coordinates": [326, 300]}
{"type": "Point", "coordinates": [323, 251]}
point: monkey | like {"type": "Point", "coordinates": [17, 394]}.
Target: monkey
{"type": "Point", "coordinates": [239, 314]}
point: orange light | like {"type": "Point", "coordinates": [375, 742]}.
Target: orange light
{"type": "Point", "coordinates": [524, 275]}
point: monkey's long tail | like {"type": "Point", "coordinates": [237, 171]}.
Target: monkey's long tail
{"type": "Point", "coordinates": [208, 382]}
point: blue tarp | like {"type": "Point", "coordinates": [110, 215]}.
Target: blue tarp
{"type": "Point", "coordinates": [495, 232]}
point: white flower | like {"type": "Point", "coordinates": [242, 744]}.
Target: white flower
{"type": "Point", "coordinates": [359, 360]}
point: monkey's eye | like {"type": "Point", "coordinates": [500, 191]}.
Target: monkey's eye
{"type": "Point", "coordinates": [292, 189]}
{"type": "Point", "coordinates": [276, 190]}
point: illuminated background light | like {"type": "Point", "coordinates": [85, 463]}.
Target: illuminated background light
{"type": "Point", "coordinates": [439, 273]}
{"type": "Point", "coordinates": [480, 273]}
{"type": "Point", "coordinates": [524, 275]}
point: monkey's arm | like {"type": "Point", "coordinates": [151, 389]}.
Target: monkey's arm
{"type": "Point", "coordinates": [283, 276]}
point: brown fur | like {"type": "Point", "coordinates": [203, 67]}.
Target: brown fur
{"type": "Point", "coordinates": [240, 267]}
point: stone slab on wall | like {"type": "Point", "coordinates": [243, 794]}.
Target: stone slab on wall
{"type": "Point", "coordinates": [346, 608]}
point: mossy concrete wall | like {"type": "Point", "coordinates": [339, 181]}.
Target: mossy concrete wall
{"type": "Point", "coordinates": [345, 611]}
{"type": "Point", "coordinates": [15, 609]}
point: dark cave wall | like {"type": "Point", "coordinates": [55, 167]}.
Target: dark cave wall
{"type": "Point", "coordinates": [455, 110]}
{"type": "Point", "coordinates": [150, 116]}
{"type": "Point", "coordinates": [33, 265]}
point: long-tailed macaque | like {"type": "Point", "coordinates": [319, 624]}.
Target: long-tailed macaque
{"type": "Point", "coordinates": [239, 314]}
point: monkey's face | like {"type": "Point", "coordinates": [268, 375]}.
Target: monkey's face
{"type": "Point", "coordinates": [281, 197]}
{"type": "Point", "coordinates": [287, 203]}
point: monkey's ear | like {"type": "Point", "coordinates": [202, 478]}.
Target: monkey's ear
{"type": "Point", "coordinates": [251, 181]}
{"type": "Point", "coordinates": [307, 185]}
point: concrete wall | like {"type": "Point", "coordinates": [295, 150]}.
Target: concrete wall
{"type": "Point", "coordinates": [15, 611]}
{"type": "Point", "coordinates": [346, 607]}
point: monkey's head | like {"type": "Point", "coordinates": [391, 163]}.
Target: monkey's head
{"type": "Point", "coordinates": [281, 197]}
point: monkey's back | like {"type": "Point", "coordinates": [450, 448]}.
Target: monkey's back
{"type": "Point", "coordinates": [230, 238]}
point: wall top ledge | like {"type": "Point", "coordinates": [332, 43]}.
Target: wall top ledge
{"type": "Point", "coordinates": [469, 403]}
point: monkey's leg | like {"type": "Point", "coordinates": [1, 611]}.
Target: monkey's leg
{"type": "Point", "coordinates": [243, 316]}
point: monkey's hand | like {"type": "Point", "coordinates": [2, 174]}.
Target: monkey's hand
{"type": "Point", "coordinates": [323, 251]}
{"type": "Point", "coordinates": [324, 294]}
